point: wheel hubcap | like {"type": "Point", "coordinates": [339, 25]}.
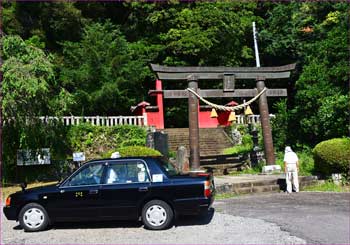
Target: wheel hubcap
{"type": "Point", "coordinates": [156, 215]}
{"type": "Point", "coordinates": [33, 218]}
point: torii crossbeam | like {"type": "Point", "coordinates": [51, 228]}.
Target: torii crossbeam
{"type": "Point", "coordinates": [228, 74]}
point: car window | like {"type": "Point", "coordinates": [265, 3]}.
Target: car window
{"type": "Point", "coordinates": [90, 175]}
{"type": "Point", "coordinates": [127, 172]}
{"type": "Point", "coordinates": [169, 168]}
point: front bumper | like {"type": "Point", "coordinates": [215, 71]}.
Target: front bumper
{"type": "Point", "coordinates": [10, 212]}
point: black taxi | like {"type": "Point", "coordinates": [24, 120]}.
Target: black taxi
{"type": "Point", "coordinates": [144, 188]}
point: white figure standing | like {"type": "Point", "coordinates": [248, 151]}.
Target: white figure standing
{"type": "Point", "coordinates": [291, 168]}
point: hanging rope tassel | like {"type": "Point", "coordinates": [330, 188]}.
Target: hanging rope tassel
{"type": "Point", "coordinates": [227, 108]}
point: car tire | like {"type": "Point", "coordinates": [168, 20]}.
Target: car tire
{"type": "Point", "coordinates": [157, 215]}
{"type": "Point", "coordinates": [33, 217]}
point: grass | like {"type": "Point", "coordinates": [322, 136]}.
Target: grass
{"type": "Point", "coordinates": [222, 196]}
{"type": "Point", "coordinates": [239, 149]}
{"type": "Point", "coordinates": [328, 185]}
{"type": "Point", "coordinates": [6, 191]}
{"type": "Point", "coordinates": [246, 171]}
{"type": "Point", "coordinates": [255, 170]}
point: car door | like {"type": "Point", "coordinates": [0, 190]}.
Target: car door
{"type": "Point", "coordinates": [78, 198]}
{"type": "Point", "coordinates": [127, 184]}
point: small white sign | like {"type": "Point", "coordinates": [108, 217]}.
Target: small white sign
{"type": "Point", "coordinates": [33, 157]}
{"type": "Point", "coordinates": [157, 178]}
{"type": "Point", "coordinates": [78, 157]}
{"type": "Point", "coordinates": [271, 168]}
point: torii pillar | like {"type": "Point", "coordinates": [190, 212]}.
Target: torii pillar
{"type": "Point", "coordinates": [265, 123]}
{"type": "Point", "coordinates": [193, 124]}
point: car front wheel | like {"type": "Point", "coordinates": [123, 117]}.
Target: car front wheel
{"type": "Point", "coordinates": [157, 215]}
{"type": "Point", "coordinates": [33, 217]}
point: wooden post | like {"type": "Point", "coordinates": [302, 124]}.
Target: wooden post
{"type": "Point", "coordinates": [193, 124]}
{"type": "Point", "coordinates": [265, 123]}
{"type": "Point", "coordinates": [182, 159]}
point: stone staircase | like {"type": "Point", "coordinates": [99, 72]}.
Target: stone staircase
{"type": "Point", "coordinates": [212, 141]}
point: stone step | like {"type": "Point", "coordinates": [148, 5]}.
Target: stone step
{"type": "Point", "coordinates": [212, 141]}
{"type": "Point", "coordinates": [243, 186]}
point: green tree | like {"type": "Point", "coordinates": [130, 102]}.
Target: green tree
{"type": "Point", "coordinates": [206, 33]}
{"type": "Point", "coordinates": [311, 34]}
{"type": "Point", "coordinates": [27, 75]}
{"type": "Point", "coordinates": [103, 71]}
{"type": "Point", "coordinates": [29, 85]}
{"type": "Point", "coordinates": [52, 22]}
{"type": "Point", "coordinates": [322, 93]}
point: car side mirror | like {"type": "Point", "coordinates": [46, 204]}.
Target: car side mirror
{"type": "Point", "coordinates": [23, 186]}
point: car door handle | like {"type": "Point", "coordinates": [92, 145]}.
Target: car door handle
{"type": "Point", "coordinates": [141, 189]}
{"type": "Point", "coordinates": [93, 191]}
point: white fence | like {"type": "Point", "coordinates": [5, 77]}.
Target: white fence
{"type": "Point", "coordinates": [131, 120]}
{"type": "Point", "coordinates": [254, 119]}
{"type": "Point", "coordinates": [100, 120]}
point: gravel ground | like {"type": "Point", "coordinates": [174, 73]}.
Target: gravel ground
{"type": "Point", "coordinates": [217, 228]}
{"type": "Point", "coordinates": [316, 217]}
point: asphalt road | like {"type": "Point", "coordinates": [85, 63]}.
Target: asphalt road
{"type": "Point", "coordinates": [250, 219]}
{"type": "Point", "coordinates": [317, 218]}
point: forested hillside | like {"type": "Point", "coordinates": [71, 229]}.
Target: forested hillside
{"type": "Point", "coordinates": [92, 58]}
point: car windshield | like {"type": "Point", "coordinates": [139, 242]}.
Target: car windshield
{"type": "Point", "coordinates": [169, 168]}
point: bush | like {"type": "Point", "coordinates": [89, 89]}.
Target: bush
{"type": "Point", "coordinates": [98, 141]}
{"type": "Point", "coordinates": [246, 147]}
{"type": "Point", "coordinates": [138, 151]}
{"type": "Point", "coordinates": [280, 125]}
{"type": "Point", "coordinates": [306, 163]}
{"type": "Point", "coordinates": [95, 141]}
{"type": "Point", "coordinates": [133, 142]}
{"type": "Point", "coordinates": [33, 135]}
{"type": "Point", "coordinates": [332, 156]}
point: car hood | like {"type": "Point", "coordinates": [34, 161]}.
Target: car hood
{"type": "Point", "coordinates": [42, 189]}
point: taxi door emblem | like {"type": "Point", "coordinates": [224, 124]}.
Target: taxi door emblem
{"type": "Point", "coordinates": [79, 194]}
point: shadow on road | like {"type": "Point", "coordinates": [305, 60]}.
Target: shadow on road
{"type": "Point", "coordinates": [91, 225]}
{"type": "Point", "coordinates": [195, 220]}
{"type": "Point", "coordinates": [181, 221]}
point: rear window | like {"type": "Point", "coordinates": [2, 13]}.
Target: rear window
{"type": "Point", "coordinates": [169, 168]}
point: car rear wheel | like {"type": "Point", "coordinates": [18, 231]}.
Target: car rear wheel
{"type": "Point", "coordinates": [157, 215]}
{"type": "Point", "coordinates": [33, 217]}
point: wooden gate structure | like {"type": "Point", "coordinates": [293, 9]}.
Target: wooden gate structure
{"type": "Point", "coordinates": [193, 75]}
